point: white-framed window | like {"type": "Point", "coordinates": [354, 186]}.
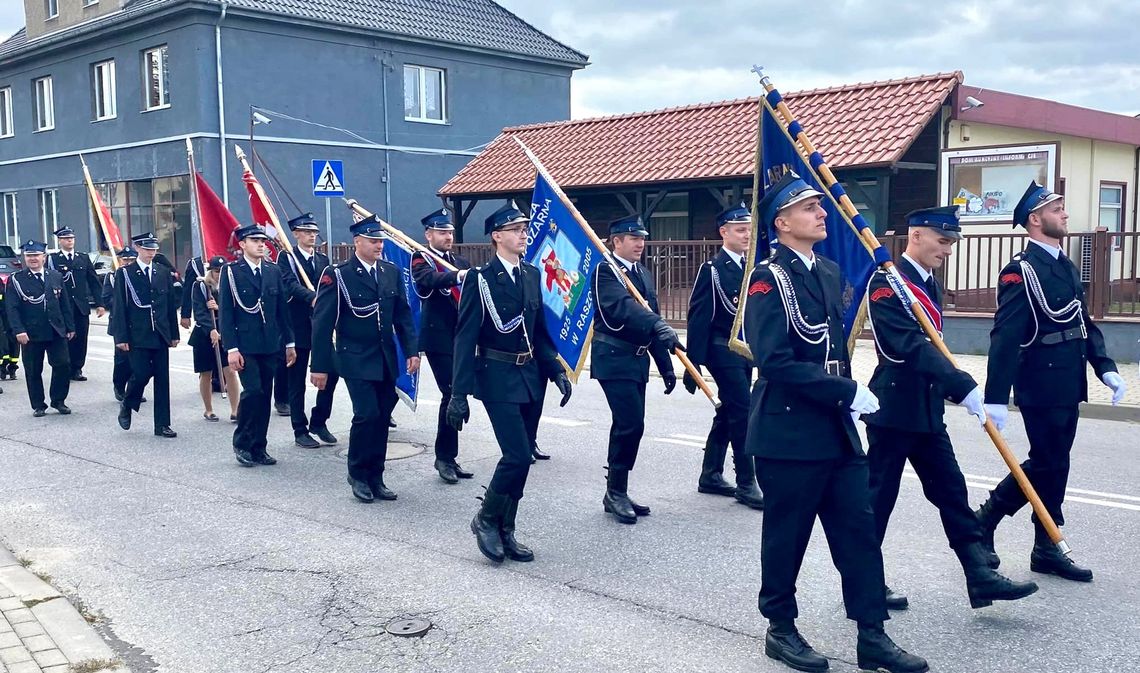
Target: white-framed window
{"type": "Point", "coordinates": [6, 128]}
{"type": "Point", "coordinates": [51, 9]}
{"type": "Point", "coordinates": [425, 94]}
{"type": "Point", "coordinates": [49, 211]}
{"type": "Point", "coordinates": [45, 104]}
{"type": "Point", "coordinates": [11, 220]}
{"type": "Point", "coordinates": [90, 3]}
{"type": "Point", "coordinates": [1111, 213]}
{"type": "Point", "coordinates": [103, 90]}
{"type": "Point", "coordinates": [156, 81]}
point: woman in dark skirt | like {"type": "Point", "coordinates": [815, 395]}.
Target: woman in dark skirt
{"type": "Point", "coordinates": [207, 341]}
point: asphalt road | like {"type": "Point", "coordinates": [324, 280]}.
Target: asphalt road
{"type": "Point", "coordinates": [198, 565]}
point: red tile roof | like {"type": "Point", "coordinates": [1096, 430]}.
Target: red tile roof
{"type": "Point", "coordinates": [854, 125]}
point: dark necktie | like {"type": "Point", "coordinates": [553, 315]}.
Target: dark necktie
{"type": "Point", "coordinates": [146, 273]}
{"type": "Point", "coordinates": [40, 277]}
{"type": "Point", "coordinates": [375, 277]}
{"type": "Point", "coordinates": [257, 276]}
{"type": "Point", "coordinates": [515, 274]}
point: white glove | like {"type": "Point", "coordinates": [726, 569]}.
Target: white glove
{"type": "Point", "coordinates": [974, 405]}
{"type": "Point", "coordinates": [865, 401]}
{"type": "Point", "coordinates": [998, 413]}
{"type": "Point", "coordinates": [1116, 382]}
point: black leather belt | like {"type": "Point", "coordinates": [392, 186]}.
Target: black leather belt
{"type": "Point", "coordinates": [621, 344]}
{"type": "Point", "coordinates": [838, 367]}
{"type": "Point", "coordinates": [1053, 338]}
{"type": "Point", "coordinates": [518, 359]}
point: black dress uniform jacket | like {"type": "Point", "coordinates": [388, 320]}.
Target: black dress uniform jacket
{"type": "Point", "coordinates": [913, 379]}
{"type": "Point", "coordinates": [41, 321]}
{"type": "Point", "coordinates": [300, 297]}
{"type": "Point", "coordinates": [133, 325]}
{"type": "Point", "coordinates": [492, 380]}
{"type": "Point", "coordinates": [80, 278]}
{"type": "Point", "coordinates": [801, 410]}
{"type": "Point", "coordinates": [620, 317]}
{"type": "Point", "coordinates": [364, 347]}
{"type": "Point", "coordinates": [712, 311]}
{"type": "Point", "coordinates": [439, 308]}
{"type": "Point", "coordinates": [256, 333]}
{"type": "Point", "coordinates": [191, 274]}
{"type": "Point", "coordinates": [1042, 357]}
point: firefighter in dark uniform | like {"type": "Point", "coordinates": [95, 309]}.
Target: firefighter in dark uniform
{"type": "Point", "coordinates": [438, 290]}
{"type": "Point", "coordinates": [912, 381]}
{"type": "Point", "coordinates": [802, 428]}
{"type": "Point", "coordinates": [121, 370]}
{"type": "Point", "coordinates": [712, 312]}
{"type": "Point", "coordinates": [1041, 341]}
{"type": "Point", "coordinates": [9, 347]}
{"type": "Point", "coordinates": [361, 303]}
{"type": "Point", "coordinates": [305, 259]}
{"type": "Point", "coordinates": [40, 317]}
{"type": "Point", "coordinates": [625, 335]}
{"type": "Point", "coordinates": [83, 288]}
{"type": "Point", "coordinates": [190, 275]}
{"type": "Point", "coordinates": [504, 356]}
{"type": "Point", "coordinates": [144, 325]}
{"type": "Point", "coordinates": [255, 331]}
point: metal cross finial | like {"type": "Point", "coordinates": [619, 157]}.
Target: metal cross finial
{"type": "Point", "coordinates": [759, 70]}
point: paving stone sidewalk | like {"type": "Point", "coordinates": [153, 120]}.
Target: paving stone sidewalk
{"type": "Point", "coordinates": [41, 631]}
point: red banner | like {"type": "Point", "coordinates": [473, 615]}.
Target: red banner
{"type": "Point", "coordinates": [263, 215]}
{"type": "Point", "coordinates": [217, 222]}
{"type": "Point", "coordinates": [106, 222]}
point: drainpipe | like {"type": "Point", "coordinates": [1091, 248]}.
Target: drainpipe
{"type": "Point", "coordinates": [1135, 189]}
{"type": "Point", "coordinates": [221, 104]}
{"type": "Point", "coordinates": [385, 66]}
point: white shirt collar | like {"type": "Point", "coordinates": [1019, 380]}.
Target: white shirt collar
{"type": "Point", "coordinates": [507, 265]}
{"type": "Point", "coordinates": [367, 267]}
{"type": "Point", "coordinates": [625, 262]}
{"type": "Point", "coordinates": [1051, 249]}
{"type": "Point", "coordinates": [921, 271]}
{"type": "Point", "coordinates": [254, 266]}
{"type": "Point", "coordinates": [306, 255]}
{"type": "Point", "coordinates": [441, 254]}
{"type": "Point", "coordinates": [736, 257]}
{"type": "Point", "coordinates": [144, 267]}
{"type": "Point", "coordinates": [809, 262]}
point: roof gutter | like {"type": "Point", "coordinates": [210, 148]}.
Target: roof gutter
{"type": "Point", "coordinates": [221, 104]}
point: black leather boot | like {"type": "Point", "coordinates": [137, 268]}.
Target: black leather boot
{"type": "Point", "coordinates": [747, 492]}
{"type": "Point", "coordinates": [989, 516]}
{"type": "Point", "coordinates": [877, 652]}
{"type": "Point", "coordinates": [513, 549]}
{"type": "Point", "coordinates": [486, 525]}
{"type": "Point", "coordinates": [712, 467]}
{"type": "Point", "coordinates": [1046, 558]}
{"type": "Point", "coordinates": [616, 501]}
{"type": "Point", "coordinates": [983, 584]}
{"type": "Point", "coordinates": [784, 643]}
{"type": "Point", "coordinates": [896, 601]}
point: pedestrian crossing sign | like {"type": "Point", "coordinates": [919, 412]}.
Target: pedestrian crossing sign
{"type": "Point", "coordinates": [328, 177]}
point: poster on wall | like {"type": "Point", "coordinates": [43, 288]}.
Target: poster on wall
{"type": "Point", "coordinates": [986, 183]}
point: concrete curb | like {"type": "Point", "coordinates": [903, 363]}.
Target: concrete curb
{"type": "Point", "coordinates": [41, 631]}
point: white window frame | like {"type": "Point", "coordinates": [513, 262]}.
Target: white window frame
{"type": "Point", "coordinates": [103, 90]}
{"type": "Point", "coordinates": [47, 195]}
{"type": "Point", "coordinates": [51, 9]}
{"type": "Point", "coordinates": [424, 70]}
{"type": "Point", "coordinates": [7, 128]}
{"type": "Point", "coordinates": [90, 3]}
{"type": "Point", "coordinates": [9, 204]}
{"type": "Point", "coordinates": [1118, 207]}
{"type": "Point", "coordinates": [44, 92]}
{"type": "Point", "coordinates": [163, 53]}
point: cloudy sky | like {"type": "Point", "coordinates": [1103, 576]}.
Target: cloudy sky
{"type": "Point", "coordinates": [648, 54]}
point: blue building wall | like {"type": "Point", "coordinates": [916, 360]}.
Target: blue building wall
{"type": "Point", "coordinates": [328, 76]}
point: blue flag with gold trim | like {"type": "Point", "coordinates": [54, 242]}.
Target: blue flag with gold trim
{"type": "Point", "coordinates": [407, 385]}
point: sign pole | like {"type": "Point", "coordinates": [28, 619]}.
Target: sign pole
{"type": "Point", "coordinates": [328, 226]}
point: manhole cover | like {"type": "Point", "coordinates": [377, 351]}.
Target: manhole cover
{"type": "Point", "coordinates": [408, 628]}
{"type": "Point", "coordinates": [396, 450]}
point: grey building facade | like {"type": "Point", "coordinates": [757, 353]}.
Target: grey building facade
{"type": "Point", "coordinates": [403, 92]}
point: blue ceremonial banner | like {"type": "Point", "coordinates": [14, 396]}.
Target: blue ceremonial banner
{"type": "Point", "coordinates": [566, 259]}
{"type": "Point", "coordinates": [407, 385]}
{"type": "Point", "coordinates": [843, 244]}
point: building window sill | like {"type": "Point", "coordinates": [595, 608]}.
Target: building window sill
{"type": "Point", "coordinates": [45, 129]}
{"type": "Point", "coordinates": [103, 119]}
{"type": "Point", "coordinates": [9, 135]}
{"type": "Point", "coordinates": [155, 109]}
{"type": "Point", "coordinates": [436, 122]}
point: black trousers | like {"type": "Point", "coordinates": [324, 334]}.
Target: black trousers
{"type": "Point", "coordinates": [121, 373]}
{"type": "Point", "coordinates": [932, 456]}
{"type": "Point", "coordinates": [281, 382]}
{"type": "Point", "coordinates": [77, 347]}
{"type": "Point", "coordinates": [57, 357]}
{"type": "Point", "coordinates": [516, 427]}
{"type": "Point", "coordinates": [372, 405]}
{"type": "Point", "coordinates": [730, 422]}
{"type": "Point", "coordinates": [147, 364]}
{"type": "Point", "coordinates": [627, 425]}
{"type": "Point", "coordinates": [256, 377]}
{"type": "Point", "coordinates": [1051, 432]}
{"type": "Point", "coordinates": [297, 377]}
{"type": "Point", "coordinates": [446, 437]}
{"type": "Point", "coordinates": [836, 491]}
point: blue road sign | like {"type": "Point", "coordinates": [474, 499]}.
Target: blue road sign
{"type": "Point", "coordinates": [328, 177]}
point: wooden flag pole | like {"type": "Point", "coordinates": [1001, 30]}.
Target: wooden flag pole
{"type": "Point", "coordinates": [807, 151]}
{"type": "Point", "coordinates": [99, 214]}
{"type": "Point", "coordinates": [399, 235]}
{"type": "Point", "coordinates": [281, 237]}
{"type": "Point", "coordinates": [608, 256]}
{"type": "Point", "coordinates": [196, 215]}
